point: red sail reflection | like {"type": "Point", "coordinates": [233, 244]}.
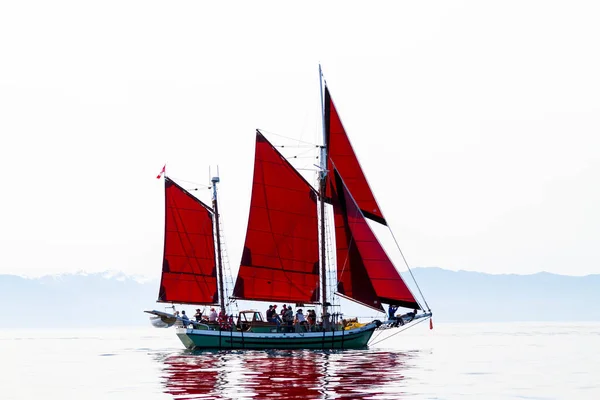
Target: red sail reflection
{"type": "Point", "coordinates": [187, 376]}
{"type": "Point", "coordinates": [290, 374]}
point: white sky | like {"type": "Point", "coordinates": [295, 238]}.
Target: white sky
{"type": "Point", "coordinates": [477, 123]}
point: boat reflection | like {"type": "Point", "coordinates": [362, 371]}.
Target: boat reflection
{"type": "Point", "coordinates": [356, 374]}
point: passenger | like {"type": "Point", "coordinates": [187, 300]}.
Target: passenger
{"type": "Point", "coordinates": [392, 311]}
{"type": "Point", "coordinates": [198, 315]}
{"type": "Point", "coordinates": [269, 313]}
{"type": "Point", "coordinates": [223, 321]}
{"type": "Point", "coordinates": [212, 317]}
{"type": "Point", "coordinates": [289, 318]}
{"type": "Point", "coordinates": [312, 319]}
{"type": "Point", "coordinates": [301, 324]}
{"type": "Point", "coordinates": [275, 317]}
{"type": "Point", "coordinates": [282, 313]}
{"type": "Point", "coordinates": [411, 315]}
{"type": "Point", "coordinates": [186, 320]}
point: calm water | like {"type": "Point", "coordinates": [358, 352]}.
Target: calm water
{"type": "Point", "coordinates": [454, 361]}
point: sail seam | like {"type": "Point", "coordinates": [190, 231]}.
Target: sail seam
{"type": "Point", "coordinates": [281, 211]}
{"type": "Point", "coordinates": [280, 269]}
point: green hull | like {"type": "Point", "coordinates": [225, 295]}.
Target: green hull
{"type": "Point", "coordinates": [207, 339]}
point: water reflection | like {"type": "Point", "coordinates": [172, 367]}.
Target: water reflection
{"type": "Point", "coordinates": [291, 374]}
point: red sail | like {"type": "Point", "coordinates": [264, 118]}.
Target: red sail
{"type": "Point", "coordinates": [281, 255]}
{"type": "Point", "coordinates": [365, 272]}
{"type": "Point", "coordinates": [189, 273]}
{"type": "Point", "coordinates": [341, 153]}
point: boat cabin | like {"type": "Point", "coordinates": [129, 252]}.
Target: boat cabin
{"type": "Point", "coordinates": [252, 321]}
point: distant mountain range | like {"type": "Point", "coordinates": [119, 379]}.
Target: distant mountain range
{"type": "Point", "coordinates": [464, 296]}
{"type": "Point", "coordinates": [109, 300]}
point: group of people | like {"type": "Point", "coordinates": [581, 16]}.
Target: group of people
{"type": "Point", "coordinates": [286, 319]}
{"type": "Point", "coordinates": [212, 317]}
{"type": "Point", "coordinates": [291, 321]}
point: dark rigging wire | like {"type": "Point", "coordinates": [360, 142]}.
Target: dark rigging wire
{"type": "Point", "coordinates": [399, 331]}
{"type": "Point", "coordinates": [409, 270]}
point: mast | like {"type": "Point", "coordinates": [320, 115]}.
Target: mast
{"type": "Point", "coordinates": [216, 180]}
{"type": "Point", "coordinates": [322, 187]}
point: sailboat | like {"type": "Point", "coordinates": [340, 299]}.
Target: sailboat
{"type": "Point", "coordinates": [284, 258]}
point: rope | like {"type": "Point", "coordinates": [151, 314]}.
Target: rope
{"type": "Point", "coordinates": [409, 270]}
{"type": "Point", "coordinates": [378, 334]}
{"type": "Point", "coordinates": [400, 331]}
{"type": "Point", "coordinates": [290, 138]}
{"type": "Point", "coordinates": [191, 182]}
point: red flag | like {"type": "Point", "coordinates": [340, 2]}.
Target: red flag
{"type": "Point", "coordinates": [430, 323]}
{"type": "Point", "coordinates": [162, 171]}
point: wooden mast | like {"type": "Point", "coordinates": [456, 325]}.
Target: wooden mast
{"type": "Point", "coordinates": [220, 282]}
{"type": "Point", "coordinates": [322, 187]}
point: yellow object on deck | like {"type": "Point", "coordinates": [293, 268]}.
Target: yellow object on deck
{"type": "Point", "coordinates": [353, 325]}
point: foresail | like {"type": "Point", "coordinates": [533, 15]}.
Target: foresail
{"type": "Point", "coordinates": [281, 255]}
{"type": "Point", "coordinates": [364, 271]}
{"type": "Point", "coordinates": [341, 154]}
{"type": "Point", "coordinates": [189, 272]}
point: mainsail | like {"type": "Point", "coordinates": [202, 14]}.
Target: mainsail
{"type": "Point", "coordinates": [189, 273]}
{"type": "Point", "coordinates": [281, 255]}
{"type": "Point", "coordinates": [341, 154]}
{"type": "Point", "coordinates": [365, 272]}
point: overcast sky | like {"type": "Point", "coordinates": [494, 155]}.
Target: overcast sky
{"type": "Point", "coordinates": [477, 123]}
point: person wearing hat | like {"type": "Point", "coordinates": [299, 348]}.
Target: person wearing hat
{"type": "Point", "coordinates": [198, 315]}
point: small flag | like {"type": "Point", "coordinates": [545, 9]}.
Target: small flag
{"type": "Point", "coordinates": [162, 172]}
{"type": "Point", "coordinates": [430, 323]}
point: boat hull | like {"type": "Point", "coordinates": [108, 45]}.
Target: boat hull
{"type": "Point", "coordinates": [207, 339]}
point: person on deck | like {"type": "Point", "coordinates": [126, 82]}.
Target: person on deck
{"type": "Point", "coordinates": [269, 313]}
{"type": "Point", "coordinates": [186, 320]}
{"type": "Point", "coordinates": [312, 319]}
{"type": "Point", "coordinates": [392, 311]}
{"type": "Point", "coordinates": [275, 317]}
{"type": "Point", "coordinates": [301, 324]}
{"type": "Point", "coordinates": [223, 321]}
{"type": "Point", "coordinates": [289, 318]}
{"type": "Point", "coordinates": [212, 317]}
{"type": "Point", "coordinates": [282, 313]}
{"type": "Point", "coordinates": [198, 315]}
{"type": "Point", "coordinates": [411, 315]}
